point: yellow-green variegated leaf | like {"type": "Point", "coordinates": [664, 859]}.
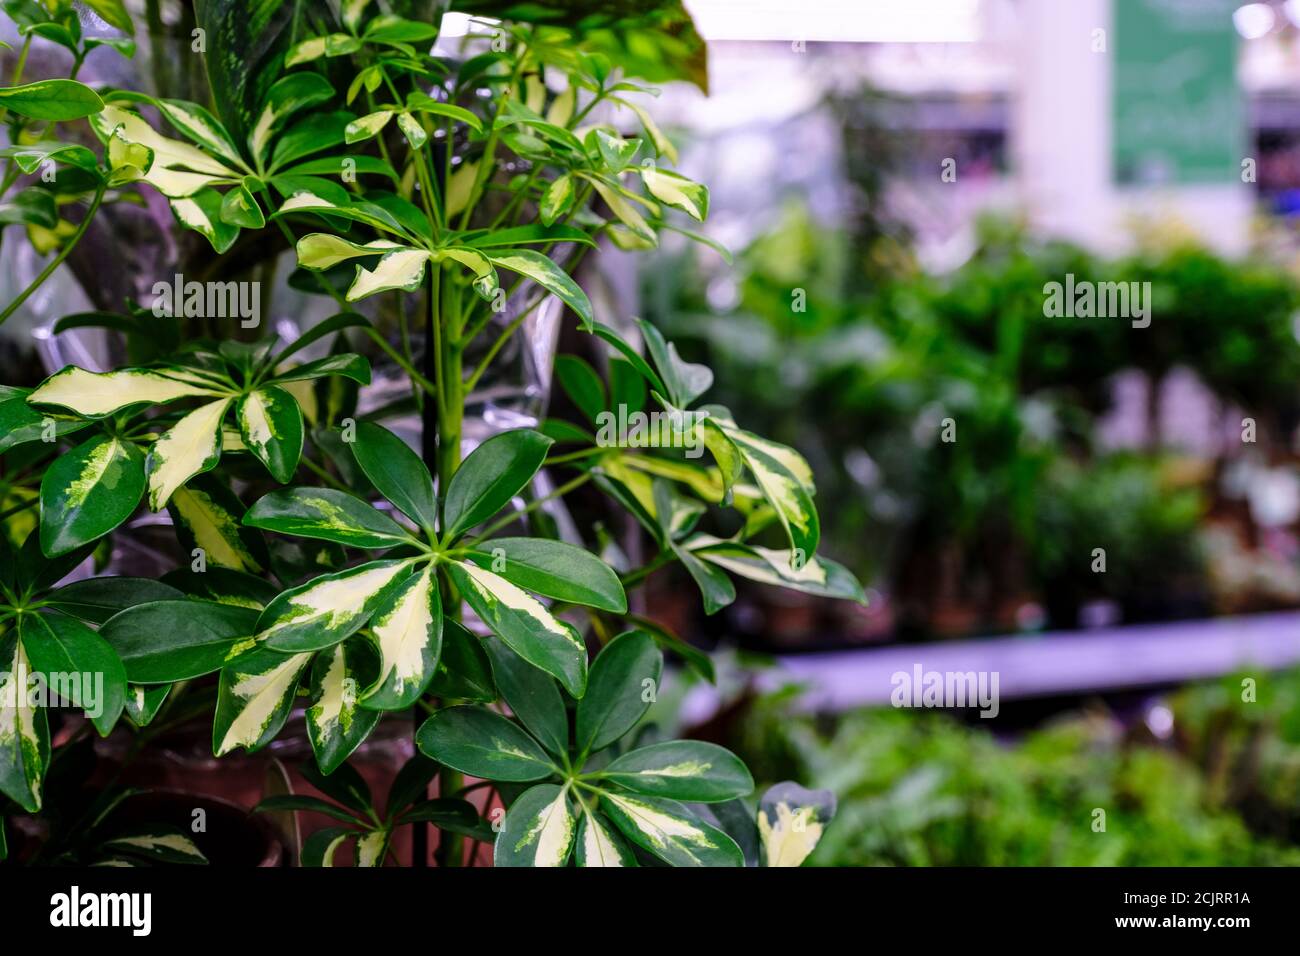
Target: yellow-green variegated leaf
{"type": "Point", "coordinates": [201, 127]}
{"type": "Point", "coordinates": [598, 843]}
{"type": "Point", "coordinates": [402, 269]}
{"type": "Point", "coordinates": [412, 130]}
{"type": "Point", "coordinates": [96, 394]}
{"type": "Point", "coordinates": [539, 829]}
{"type": "Point", "coordinates": [336, 725]}
{"type": "Point", "coordinates": [320, 250]}
{"type": "Point", "coordinates": [816, 575]}
{"type": "Point", "coordinates": [168, 153]}
{"type": "Point", "coordinates": [627, 213]}
{"type": "Point", "coordinates": [662, 144]}
{"type": "Point", "coordinates": [319, 849]}
{"type": "Point", "coordinates": [329, 608]}
{"type": "Point", "coordinates": [288, 95]}
{"type": "Point", "coordinates": [313, 48]}
{"type": "Point", "coordinates": [525, 624]}
{"type": "Point", "coordinates": [670, 831]}
{"type": "Point", "coordinates": [557, 200]}
{"type": "Point", "coordinates": [158, 845]}
{"type": "Point", "coordinates": [485, 275]}
{"type": "Point", "coordinates": [206, 517]}
{"type": "Point", "coordinates": [364, 127]}
{"type": "Point", "coordinates": [786, 482]}
{"type": "Point", "coordinates": [791, 820]}
{"type": "Point", "coordinates": [191, 446]}
{"type": "Point", "coordinates": [372, 848]}
{"type": "Point", "coordinates": [677, 191]}
{"type": "Point", "coordinates": [255, 696]}
{"type": "Point", "coordinates": [24, 732]}
{"type": "Point", "coordinates": [201, 212]}
{"type": "Point", "coordinates": [408, 632]}
{"type": "Point", "coordinates": [270, 424]}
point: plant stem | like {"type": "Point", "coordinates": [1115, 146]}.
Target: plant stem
{"type": "Point", "coordinates": [58, 259]}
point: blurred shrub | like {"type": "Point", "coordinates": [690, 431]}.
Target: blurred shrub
{"type": "Point", "coordinates": [919, 789]}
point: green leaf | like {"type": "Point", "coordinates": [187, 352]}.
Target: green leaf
{"type": "Point", "coordinates": [670, 831]}
{"type": "Point", "coordinates": [554, 569]}
{"type": "Point", "coordinates": [201, 127]}
{"type": "Point", "coordinates": [254, 699]}
{"type": "Point", "coordinates": [336, 724]}
{"type": "Point", "coordinates": [318, 849]}
{"type": "Point", "coordinates": [246, 44]}
{"type": "Point", "coordinates": [113, 12]}
{"type": "Point", "coordinates": [89, 491]}
{"type": "Point", "coordinates": [345, 364]}
{"type": "Point", "coordinates": [295, 801]}
{"type": "Point", "coordinates": [97, 599]}
{"type": "Point", "coordinates": [685, 381]}
{"type": "Point", "coordinates": [68, 655]}
{"type": "Point", "coordinates": [173, 640]}
{"type": "Point", "coordinates": [201, 211]}
{"type": "Point", "coordinates": [490, 476]}
{"type": "Point", "coordinates": [525, 624]}
{"type": "Point", "coordinates": [329, 608]}
{"type": "Point", "coordinates": [317, 132]}
{"type": "Point", "coordinates": [287, 96]}
{"type": "Point", "coordinates": [464, 672]}
{"type": "Point", "coordinates": [715, 587]}
{"type": "Point", "coordinates": [24, 729]}
{"type": "Point", "coordinates": [32, 207]}
{"type": "Point", "coordinates": [224, 586]}
{"type": "Point", "coordinates": [817, 575]}
{"type": "Point", "coordinates": [407, 628]}
{"type": "Point", "coordinates": [483, 744]}
{"type": "Point", "coordinates": [191, 446]}
{"type": "Point", "coordinates": [239, 208]}
{"type": "Point", "coordinates": [388, 28]}
{"type": "Point", "coordinates": [543, 271]}
{"type": "Point", "coordinates": [616, 151]}
{"type": "Point", "coordinates": [599, 844]}
{"type": "Point", "coordinates": [539, 829]}
{"type": "Point", "coordinates": [270, 423]}
{"type": "Point", "coordinates": [336, 165]}
{"type": "Point", "coordinates": [423, 103]}
{"type": "Point", "coordinates": [557, 200]}
{"type": "Point", "coordinates": [20, 423]}
{"type": "Point", "coordinates": [397, 472]}
{"type": "Point", "coordinates": [532, 234]}
{"type": "Point", "coordinates": [335, 323]}
{"type": "Point", "coordinates": [683, 770]}
{"type": "Point", "coordinates": [617, 690]}
{"type": "Point", "coordinates": [97, 395]}
{"type": "Point", "coordinates": [206, 515]}
{"type": "Point", "coordinates": [791, 821]}
{"type": "Point", "coordinates": [56, 100]}
{"type": "Point", "coordinates": [632, 355]}
{"type": "Point", "coordinates": [328, 515]}
{"type": "Point", "coordinates": [677, 191]}
{"type": "Point", "coordinates": [345, 785]}
{"type": "Point", "coordinates": [533, 696]}
{"type": "Point", "coordinates": [143, 703]}
{"type": "Point", "coordinates": [582, 385]}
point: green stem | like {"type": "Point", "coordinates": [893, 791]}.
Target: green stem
{"type": "Point", "coordinates": [57, 260]}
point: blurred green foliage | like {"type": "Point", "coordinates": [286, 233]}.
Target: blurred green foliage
{"type": "Point", "coordinates": [920, 789]}
{"type": "Point", "coordinates": [864, 382]}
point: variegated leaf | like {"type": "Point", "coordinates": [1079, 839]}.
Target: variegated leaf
{"type": "Point", "coordinates": [206, 515]}
{"type": "Point", "coordinates": [270, 424]}
{"type": "Point", "coordinates": [677, 191]}
{"type": "Point", "coordinates": [820, 576]}
{"type": "Point", "coordinates": [791, 821]}
{"type": "Point", "coordinates": [201, 211]}
{"type": "Point", "coordinates": [97, 394]}
{"type": "Point", "coordinates": [598, 844]}
{"type": "Point", "coordinates": [327, 609]}
{"type": "Point", "coordinates": [525, 624]}
{"type": "Point", "coordinates": [320, 250]}
{"type": "Point", "coordinates": [478, 742]}
{"type": "Point", "coordinates": [191, 446]}
{"type": "Point", "coordinates": [336, 725]}
{"type": "Point", "coordinates": [254, 699]}
{"type": "Point", "coordinates": [24, 731]}
{"type": "Point", "coordinates": [408, 630]}
{"type": "Point", "coordinates": [683, 770]}
{"type": "Point", "coordinates": [403, 269]}
{"type": "Point", "coordinates": [539, 829]}
{"type": "Point", "coordinates": [89, 491]}
{"type": "Point", "coordinates": [670, 831]}
{"type": "Point", "coordinates": [372, 847]}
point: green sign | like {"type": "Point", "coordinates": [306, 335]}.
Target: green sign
{"type": "Point", "coordinates": [1177, 112]}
